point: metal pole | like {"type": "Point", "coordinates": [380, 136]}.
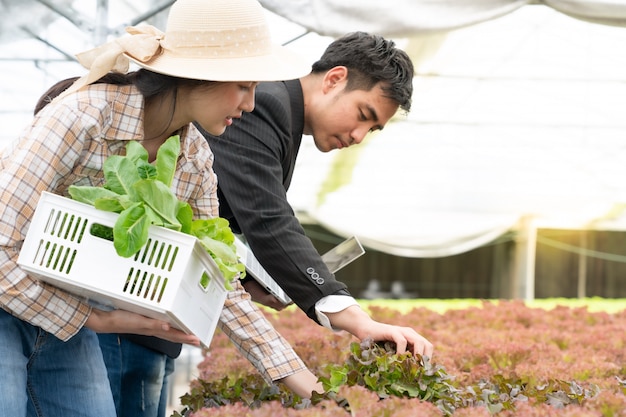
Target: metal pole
{"type": "Point", "coordinates": [582, 266]}
{"type": "Point", "coordinates": [101, 31]}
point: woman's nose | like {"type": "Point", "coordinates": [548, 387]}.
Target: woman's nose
{"type": "Point", "coordinates": [248, 103]}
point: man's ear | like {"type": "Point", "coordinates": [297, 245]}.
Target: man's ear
{"type": "Point", "coordinates": [334, 78]}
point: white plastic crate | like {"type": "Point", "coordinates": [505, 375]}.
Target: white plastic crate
{"type": "Point", "coordinates": [172, 278]}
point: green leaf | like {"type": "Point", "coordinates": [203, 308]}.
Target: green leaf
{"type": "Point", "coordinates": [166, 158]}
{"type": "Point", "coordinates": [154, 217]}
{"type": "Point", "coordinates": [185, 217]}
{"type": "Point", "coordinates": [230, 271]}
{"type": "Point", "coordinates": [130, 232]}
{"type": "Point", "coordinates": [136, 152]}
{"type": "Point", "coordinates": [337, 378]}
{"type": "Point", "coordinates": [160, 199]}
{"type": "Point", "coordinates": [220, 250]}
{"type": "Point", "coordinates": [216, 228]}
{"type": "Point", "coordinates": [146, 171]}
{"type": "Point", "coordinates": [120, 174]}
{"type": "Point", "coordinates": [115, 204]}
{"type": "Point", "coordinates": [138, 155]}
{"type": "Point", "coordinates": [371, 381]}
{"type": "Point", "coordinates": [88, 194]}
{"type": "Point", "coordinates": [405, 387]}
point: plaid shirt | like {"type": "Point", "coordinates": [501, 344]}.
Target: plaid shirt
{"type": "Point", "coordinates": [67, 143]}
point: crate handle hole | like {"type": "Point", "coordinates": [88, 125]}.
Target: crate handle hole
{"type": "Point", "coordinates": [101, 231]}
{"type": "Point", "coordinates": [204, 282]}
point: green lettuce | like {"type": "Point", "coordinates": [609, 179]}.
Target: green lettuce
{"type": "Point", "coordinates": [141, 194]}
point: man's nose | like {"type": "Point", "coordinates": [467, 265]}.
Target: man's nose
{"type": "Point", "coordinates": [359, 134]}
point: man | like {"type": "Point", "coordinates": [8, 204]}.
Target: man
{"type": "Point", "coordinates": [355, 87]}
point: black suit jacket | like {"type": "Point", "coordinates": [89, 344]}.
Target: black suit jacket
{"type": "Point", "coordinates": [254, 163]}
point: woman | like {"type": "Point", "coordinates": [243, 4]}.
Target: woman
{"type": "Point", "coordinates": [204, 68]}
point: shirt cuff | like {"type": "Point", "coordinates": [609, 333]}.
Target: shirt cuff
{"type": "Point", "coordinates": [332, 304]}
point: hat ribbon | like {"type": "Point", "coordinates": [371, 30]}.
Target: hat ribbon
{"type": "Point", "coordinates": [143, 44]}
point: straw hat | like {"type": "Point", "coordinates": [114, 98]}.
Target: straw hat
{"type": "Point", "coordinates": [217, 40]}
{"type": "Point", "coordinates": [222, 40]}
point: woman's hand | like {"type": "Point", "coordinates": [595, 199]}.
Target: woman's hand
{"type": "Point", "coordinates": [121, 321]}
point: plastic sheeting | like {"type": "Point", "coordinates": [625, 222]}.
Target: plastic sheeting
{"type": "Point", "coordinates": [407, 18]}
{"type": "Point", "coordinates": [516, 118]}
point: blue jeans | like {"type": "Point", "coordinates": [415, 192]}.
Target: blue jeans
{"type": "Point", "coordinates": [42, 376]}
{"type": "Point", "coordinates": [137, 376]}
{"type": "Point", "coordinates": [169, 370]}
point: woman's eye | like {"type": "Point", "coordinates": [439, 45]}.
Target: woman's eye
{"type": "Point", "coordinates": [248, 86]}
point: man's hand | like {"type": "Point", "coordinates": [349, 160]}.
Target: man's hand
{"type": "Point", "coordinates": [261, 296]}
{"type": "Point", "coordinates": [356, 321]}
{"type": "Point", "coordinates": [121, 321]}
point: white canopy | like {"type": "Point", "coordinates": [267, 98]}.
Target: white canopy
{"type": "Point", "coordinates": [408, 18]}
{"type": "Point", "coordinates": [516, 120]}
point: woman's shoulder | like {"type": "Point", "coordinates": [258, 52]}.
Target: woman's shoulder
{"type": "Point", "coordinates": [105, 94]}
{"type": "Point", "coordinates": [113, 111]}
{"type": "Point", "coordinates": [102, 98]}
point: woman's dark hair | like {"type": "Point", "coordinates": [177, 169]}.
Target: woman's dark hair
{"type": "Point", "coordinates": [152, 85]}
{"type": "Point", "coordinates": [371, 59]}
{"type": "Point", "coordinates": [56, 89]}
